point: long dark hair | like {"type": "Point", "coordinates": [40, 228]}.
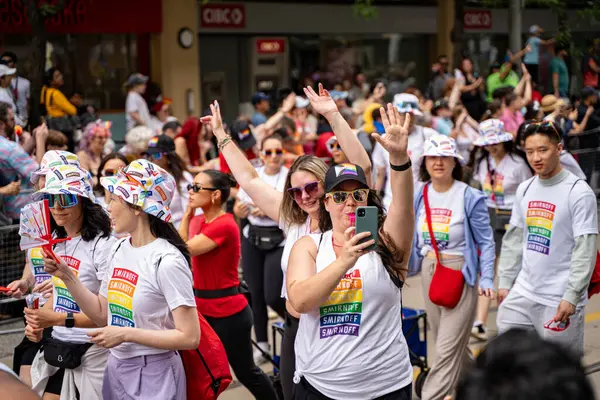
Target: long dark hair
{"type": "Point", "coordinates": [95, 222]}
{"type": "Point", "coordinates": [222, 182]}
{"type": "Point", "coordinates": [390, 254]}
{"type": "Point", "coordinates": [176, 167]}
{"type": "Point", "coordinates": [165, 230]}
{"type": "Point", "coordinates": [457, 172]}
{"type": "Point", "coordinates": [98, 189]}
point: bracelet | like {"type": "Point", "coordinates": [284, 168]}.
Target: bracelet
{"type": "Point", "coordinates": [224, 142]}
{"type": "Point", "coordinates": [402, 167]}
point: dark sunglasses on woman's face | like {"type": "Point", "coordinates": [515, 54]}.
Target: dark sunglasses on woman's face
{"type": "Point", "coordinates": [65, 200]}
{"type": "Point", "coordinates": [340, 196]}
{"type": "Point", "coordinates": [273, 152]}
{"type": "Point", "coordinates": [109, 172]}
{"type": "Point", "coordinates": [197, 188]}
{"type": "Point", "coordinates": [311, 189]}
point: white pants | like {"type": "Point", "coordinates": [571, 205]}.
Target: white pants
{"type": "Point", "coordinates": [87, 378]}
{"type": "Point", "coordinates": [516, 311]}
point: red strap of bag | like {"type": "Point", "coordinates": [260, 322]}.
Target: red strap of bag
{"type": "Point", "coordinates": [428, 217]}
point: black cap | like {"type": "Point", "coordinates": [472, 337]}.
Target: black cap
{"type": "Point", "coordinates": [258, 97]}
{"type": "Point", "coordinates": [242, 134]}
{"type": "Point", "coordinates": [342, 173]}
{"type": "Point", "coordinates": [440, 104]}
{"type": "Point", "coordinates": [161, 144]}
{"type": "Point", "coordinates": [587, 92]}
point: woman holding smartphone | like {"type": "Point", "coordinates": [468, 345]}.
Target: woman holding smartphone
{"type": "Point", "coordinates": [350, 343]}
{"type": "Point", "coordinates": [145, 303]}
{"type": "Point", "coordinates": [297, 209]}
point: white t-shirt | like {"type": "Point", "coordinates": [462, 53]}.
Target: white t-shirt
{"type": "Point", "coordinates": [23, 87]}
{"type": "Point", "coordinates": [136, 103]}
{"type": "Point", "coordinates": [36, 264]}
{"type": "Point", "coordinates": [6, 96]}
{"type": "Point", "coordinates": [551, 217]}
{"type": "Point", "coordinates": [570, 164]}
{"type": "Point", "coordinates": [352, 346]}
{"type": "Point", "coordinates": [276, 181]}
{"type": "Point", "coordinates": [143, 286]}
{"type": "Point", "coordinates": [292, 234]}
{"type": "Point", "coordinates": [416, 143]}
{"type": "Point", "coordinates": [506, 177]}
{"type": "Point", "coordinates": [447, 221]}
{"type": "Point", "coordinates": [89, 261]}
{"type": "Point", "coordinates": [180, 199]}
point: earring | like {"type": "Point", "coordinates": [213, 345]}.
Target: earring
{"type": "Point", "coordinates": [212, 200]}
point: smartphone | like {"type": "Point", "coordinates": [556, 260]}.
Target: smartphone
{"type": "Point", "coordinates": [367, 218]}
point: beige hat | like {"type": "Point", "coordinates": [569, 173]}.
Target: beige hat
{"type": "Point", "coordinates": [549, 103]}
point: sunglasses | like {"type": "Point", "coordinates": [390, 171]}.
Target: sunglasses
{"type": "Point", "coordinates": [541, 125]}
{"type": "Point", "coordinates": [408, 105]}
{"type": "Point", "coordinates": [65, 200]}
{"type": "Point", "coordinates": [110, 172]}
{"type": "Point", "coordinates": [335, 146]}
{"type": "Point", "coordinates": [557, 327]}
{"type": "Point", "coordinates": [197, 188]}
{"type": "Point", "coordinates": [153, 156]}
{"type": "Point", "coordinates": [340, 196]}
{"type": "Point", "coordinates": [272, 152]}
{"type": "Point", "coordinates": [311, 189]}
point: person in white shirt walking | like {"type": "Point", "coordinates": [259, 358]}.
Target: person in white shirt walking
{"type": "Point", "coordinates": [549, 250]}
{"type": "Point", "coordinates": [21, 87]}
{"type": "Point", "coordinates": [135, 105]}
{"type": "Point", "coordinates": [6, 90]}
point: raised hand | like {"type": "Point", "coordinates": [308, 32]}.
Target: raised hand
{"type": "Point", "coordinates": [215, 120]}
{"type": "Point", "coordinates": [395, 140]}
{"type": "Point", "coordinates": [322, 102]}
{"type": "Point", "coordinates": [352, 250]}
{"type": "Point", "coordinates": [289, 103]}
{"type": "Point", "coordinates": [58, 269]}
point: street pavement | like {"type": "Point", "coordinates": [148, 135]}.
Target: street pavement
{"type": "Point", "coordinates": [412, 298]}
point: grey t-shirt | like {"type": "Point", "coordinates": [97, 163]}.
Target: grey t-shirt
{"type": "Point", "coordinates": [136, 103]}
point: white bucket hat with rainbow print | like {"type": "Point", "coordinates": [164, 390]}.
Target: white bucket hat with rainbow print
{"type": "Point", "coordinates": [67, 179]}
{"type": "Point", "coordinates": [441, 146]}
{"type": "Point", "coordinates": [54, 158]}
{"type": "Point", "coordinates": [492, 132]}
{"type": "Point", "coordinates": [145, 185]}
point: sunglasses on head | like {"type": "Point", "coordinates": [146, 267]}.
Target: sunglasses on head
{"type": "Point", "coordinates": [272, 152]}
{"type": "Point", "coordinates": [340, 196]}
{"type": "Point", "coordinates": [64, 200]}
{"type": "Point", "coordinates": [543, 126]}
{"type": "Point", "coordinates": [311, 189]}
{"type": "Point", "coordinates": [197, 188]}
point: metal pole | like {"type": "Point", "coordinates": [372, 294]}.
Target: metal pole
{"type": "Point", "coordinates": [515, 23]}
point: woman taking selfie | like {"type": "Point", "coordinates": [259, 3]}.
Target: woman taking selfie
{"type": "Point", "coordinates": [74, 215]}
{"type": "Point", "coordinates": [452, 226]}
{"type": "Point", "coordinates": [145, 303]}
{"type": "Point", "coordinates": [297, 210]}
{"type": "Point", "coordinates": [262, 245]}
{"type": "Point", "coordinates": [350, 343]}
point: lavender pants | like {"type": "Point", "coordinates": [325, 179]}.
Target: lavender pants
{"type": "Point", "coordinates": [159, 376]}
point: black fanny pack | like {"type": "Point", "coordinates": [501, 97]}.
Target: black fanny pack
{"type": "Point", "coordinates": [265, 238]}
{"type": "Point", "coordinates": [242, 288]}
{"type": "Point", "coordinates": [64, 354]}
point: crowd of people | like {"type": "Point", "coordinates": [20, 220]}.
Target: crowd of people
{"type": "Point", "coordinates": [470, 183]}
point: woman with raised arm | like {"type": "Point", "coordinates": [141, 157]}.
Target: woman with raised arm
{"type": "Point", "coordinates": [297, 209]}
{"type": "Point", "coordinates": [145, 303]}
{"type": "Point", "coordinates": [350, 343]}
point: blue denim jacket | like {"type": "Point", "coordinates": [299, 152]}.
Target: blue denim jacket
{"type": "Point", "coordinates": [479, 236]}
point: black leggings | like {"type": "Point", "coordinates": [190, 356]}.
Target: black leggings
{"type": "Point", "coordinates": [234, 332]}
{"type": "Point", "coordinates": [287, 362]}
{"type": "Point", "coordinates": [262, 272]}
{"type": "Point", "coordinates": [305, 391]}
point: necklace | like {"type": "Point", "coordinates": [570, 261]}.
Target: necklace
{"type": "Point", "coordinates": [74, 250]}
{"type": "Point", "coordinates": [206, 221]}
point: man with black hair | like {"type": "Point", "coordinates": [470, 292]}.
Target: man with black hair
{"type": "Point", "coordinates": [549, 250]}
{"type": "Point", "coordinates": [172, 129]}
{"type": "Point", "coordinates": [560, 72]}
{"type": "Point", "coordinates": [519, 365]}
{"type": "Point", "coordinates": [21, 87]}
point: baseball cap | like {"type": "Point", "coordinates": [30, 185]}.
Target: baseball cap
{"type": "Point", "coordinates": [258, 97]}
{"type": "Point", "coordinates": [136, 79]}
{"type": "Point", "coordinates": [587, 92]}
{"type": "Point", "coordinates": [145, 185]}
{"type": "Point", "coordinates": [160, 104]}
{"type": "Point", "coordinates": [407, 103]}
{"type": "Point", "coordinates": [302, 102]}
{"type": "Point", "coordinates": [338, 95]}
{"type": "Point", "coordinates": [535, 29]}
{"type": "Point", "coordinates": [161, 144]}
{"type": "Point", "coordinates": [242, 134]}
{"type": "Point", "coordinates": [342, 173]}
{"type": "Point", "coordinates": [440, 104]}
{"type": "Point", "coordinates": [441, 146]}
{"type": "Point", "coordinates": [5, 70]}
{"type": "Point", "coordinates": [54, 158]}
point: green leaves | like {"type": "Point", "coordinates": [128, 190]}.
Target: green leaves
{"type": "Point", "coordinates": [365, 9]}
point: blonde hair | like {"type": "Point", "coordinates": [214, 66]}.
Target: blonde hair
{"type": "Point", "coordinates": [138, 137]}
{"type": "Point", "coordinates": [290, 211]}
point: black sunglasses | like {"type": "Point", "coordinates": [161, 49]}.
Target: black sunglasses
{"type": "Point", "coordinates": [197, 188]}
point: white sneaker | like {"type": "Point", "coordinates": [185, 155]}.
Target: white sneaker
{"type": "Point", "coordinates": [479, 331]}
{"type": "Point", "coordinates": [259, 357]}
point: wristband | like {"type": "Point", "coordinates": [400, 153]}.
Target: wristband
{"type": "Point", "coordinates": [402, 167]}
{"type": "Point", "coordinates": [224, 142]}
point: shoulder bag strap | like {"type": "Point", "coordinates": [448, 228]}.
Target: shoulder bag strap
{"type": "Point", "coordinates": [428, 217]}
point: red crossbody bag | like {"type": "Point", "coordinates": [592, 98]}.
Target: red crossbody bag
{"type": "Point", "coordinates": [446, 284]}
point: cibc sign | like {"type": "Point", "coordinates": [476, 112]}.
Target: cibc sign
{"type": "Point", "coordinates": [223, 16]}
{"type": "Point", "coordinates": [477, 19]}
{"type": "Point", "coordinates": [270, 46]}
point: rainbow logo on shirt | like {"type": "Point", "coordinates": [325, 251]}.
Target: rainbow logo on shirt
{"type": "Point", "coordinates": [64, 302]}
{"type": "Point", "coordinates": [120, 297]}
{"type": "Point", "coordinates": [342, 312]}
{"type": "Point", "coordinates": [540, 215]}
{"type": "Point", "coordinates": [37, 264]}
{"type": "Point", "coordinates": [496, 193]}
{"type": "Point", "coordinates": [440, 225]}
